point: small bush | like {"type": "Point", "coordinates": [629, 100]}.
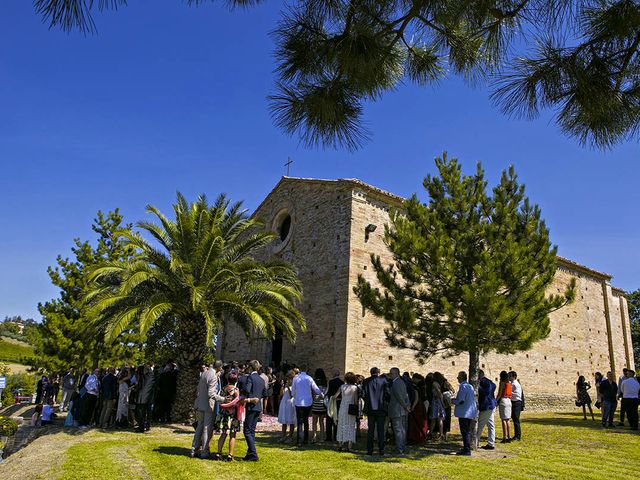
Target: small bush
{"type": "Point", "coordinates": [7, 398]}
{"type": "Point", "coordinates": [8, 427]}
{"type": "Point", "coordinates": [22, 381]}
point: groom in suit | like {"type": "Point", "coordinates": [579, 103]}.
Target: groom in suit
{"type": "Point", "coordinates": [376, 396]}
{"type": "Point", "coordinates": [254, 391]}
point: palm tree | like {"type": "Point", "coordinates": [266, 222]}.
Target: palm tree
{"type": "Point", "coordinates": [200, 269]}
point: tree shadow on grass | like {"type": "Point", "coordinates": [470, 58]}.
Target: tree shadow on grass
{"type": "Point", "coordinates": [270, 440]}
{"type": "Point", "coordinates": [576, 420]}
{"type": "Point", "coordinates": [178, 428]}
{"type": "Point", "coordinates": [173, 450]}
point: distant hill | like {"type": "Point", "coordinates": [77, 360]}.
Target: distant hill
{"type": "Point", "coordinates": [14, 350]}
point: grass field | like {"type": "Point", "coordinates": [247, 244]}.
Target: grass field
{"type": "Point", "coordinates": [17, 367]}
{"type": "Point", "coordinates": [14, 351]}
{"type": "Point", "coordinates": [555, 446]}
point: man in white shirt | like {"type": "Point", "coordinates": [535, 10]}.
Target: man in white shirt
{"type": "Point", "coordinates": [630, 392]}
{"type": "Point", "coordinates": [517, 404]}
{"type": "Point", "coordinates": [621, 379]}
{"type": "Point", "coordinates": [302, 390]}
{"type": "Point", "coordinates": [90, 398]}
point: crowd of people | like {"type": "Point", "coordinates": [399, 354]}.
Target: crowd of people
{"type": "Point", "coordinates": [128, 397]}
{"type": "Point", "coordinates": [399, 408]}
{"type": "Point", "coordinates": [626, 389]}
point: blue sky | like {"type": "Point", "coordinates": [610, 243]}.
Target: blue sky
{"type": "Point", "coordinates": [173, 98]}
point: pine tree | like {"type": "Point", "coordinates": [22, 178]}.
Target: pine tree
{"type": "Point", "coordinates": [68, 335]}
{"type": "Point", "coordinates": [470, 269]}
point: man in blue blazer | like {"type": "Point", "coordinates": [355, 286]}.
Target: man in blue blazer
{"type": "Point", "coordinates": [254, 391]}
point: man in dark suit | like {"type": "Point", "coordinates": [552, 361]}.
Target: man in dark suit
{"type": "Point", "coordinates": [332, 389]}
{"type": "Point", "coordinates": [109, 393]}
{"type": "Point", "coordinates": [376, 394]}
{"type": "Point", "coordinates": [254, 391]}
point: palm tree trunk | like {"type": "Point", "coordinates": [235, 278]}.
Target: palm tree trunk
{"type": "Point", "coordinates": [191, 350]}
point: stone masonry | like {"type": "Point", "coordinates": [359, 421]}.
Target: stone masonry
{"type": "Point", "coordinates": [323, 230]}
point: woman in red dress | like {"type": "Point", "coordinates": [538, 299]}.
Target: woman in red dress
{"type": "Point", "coordinates": [418, 420]}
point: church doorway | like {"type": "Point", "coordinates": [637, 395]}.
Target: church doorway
{"type": "Point", "coordinates": [276, 348]}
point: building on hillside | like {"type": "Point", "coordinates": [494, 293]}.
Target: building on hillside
{"type": "Point", "coordinates": [329, 228]}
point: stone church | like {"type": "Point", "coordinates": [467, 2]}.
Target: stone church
{"type": "Point", "coordinates": [329, 228]}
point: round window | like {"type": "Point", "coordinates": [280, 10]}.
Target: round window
{"type": "Point", "coordinates": [284, 228]}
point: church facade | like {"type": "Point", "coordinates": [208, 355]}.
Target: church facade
{"type": "Point", "coordinates": [328, 230]}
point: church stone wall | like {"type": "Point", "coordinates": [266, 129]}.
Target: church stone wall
{"type": "Point", "coordinates": [329, 248]}
{"type": "Point", "coordinates": [318, 247]}
{"type": "Point", "coordinates": [577, 345]}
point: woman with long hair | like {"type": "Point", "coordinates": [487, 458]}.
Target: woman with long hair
{"type": "Point", "coordinates": [122, 413]}
{"type": "Point", "coordinates": [448, 392]}
{"type": "Point", "coordinates": [504, 405]}
{"type": "Point", "coordinates": [318, 408]}
{"type": "Point", "coordinates": [418, 422]}
{"type": "Point", "coordinates": [583, 398]}
{"type": "Point", "coordinates": [229, 418]}
{"type": "Point", "coordinates": [436, 408]}
{"type": "Point", "coordinates": [599, 377]}
{"type": "Point", "coordinates": [348, 413]}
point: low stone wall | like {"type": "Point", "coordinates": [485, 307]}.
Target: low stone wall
{"type": "Point", "coordinates": [23, 437]}
{"type": "Point", "coordinates": [535, 402]}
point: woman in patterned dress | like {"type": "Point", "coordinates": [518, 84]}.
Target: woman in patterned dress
{"type": "Point", "coordinates": [583, 397]}
{"type": "Point", "coordinates": [229, 422]}
{"type": "Point", "coordinates": [437, 411]}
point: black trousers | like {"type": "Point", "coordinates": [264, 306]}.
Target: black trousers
{"type": "Point", "coordinates": [330, 429]}
{"type": "Point", "coordinates": [630, 407]}
{"type": "Point", "coordinates": [465, 430]}
{"type": "Point", "coordinates": [302, 415]}
{"type": "Point", "coordinates": [87, 408]}
{"type": "Point", "coordinates": [143, 416]}
{"type": "Point", "coordinates": [516, 408]}
{"type": "Point", "coordinates": [375, 423]}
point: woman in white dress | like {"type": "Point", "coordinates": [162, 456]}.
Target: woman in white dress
{"type": "Point", "coordinates": [122, 413]}
{"type": "Point", "coordinates": [287, 410]}
{"type": "Point", "coordinates": [346, 429]}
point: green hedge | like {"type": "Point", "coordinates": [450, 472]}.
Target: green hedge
{"type": "Point", "coordinates": [7, 398]}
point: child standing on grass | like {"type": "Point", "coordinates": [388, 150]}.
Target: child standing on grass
{"type": "Point", "coordinates": [287, 410]}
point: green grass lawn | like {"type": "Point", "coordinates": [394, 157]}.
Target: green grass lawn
{"type": "Point", "coordinates": [14, 351]}
{"type": "Point", "coordinates": [555, 446]}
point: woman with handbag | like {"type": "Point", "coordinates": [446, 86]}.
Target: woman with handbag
{"type": "Point", "coordinates": [505, 390]}
{"type": "Point", "coordinates": [583, 399]}
{"type": "Point", "coordinates": [348, 413]}
{"type": "Point", "coordinates": [318, 407]}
